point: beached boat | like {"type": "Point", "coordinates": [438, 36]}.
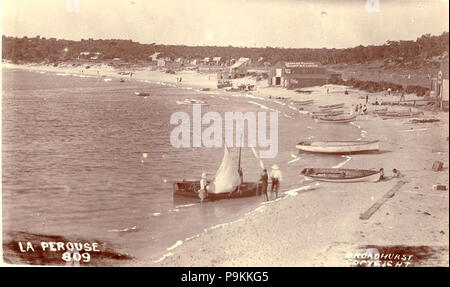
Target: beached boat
{"type": "Point", "coordinates": [303, 103]}
{"type": "Point", "coordinates": [338, 146]}
{"type": "Point", "coordinates": [226, 184]}
{"type": "Point", "coordinates": [328, 113]}
{"type": "Point", "coordinates": [331, 107]}
{"type": "Point", "coordinates": [380, 111]}
{"type": "Point", "coordinates": [400, 114]}
{"type": "Point", "coordinates": [303, 91]}
{"type": "Point", "coordinates": [337, 119]}
{"type": "Point", "coordinates": [192, 102]}
{"type": "Point", "coordinates": [340, 174]}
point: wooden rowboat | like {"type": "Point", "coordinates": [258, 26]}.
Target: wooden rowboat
{"type": "Point", "coordinates": [303, 103]}
{"type": "Point", "coordinates": [340, 174]}
{"type": "Point", "coordinates": [328, 107]}
{"type": "Point", "coordinates": [343, 147]}
{"type": "Point", "coordinates": [397, 115]}
{"type": "Point", "coordinates": [380, 111]}
{"type": "Point", "coordinates": [328, 113]}
{"type": "Point", "coordinates": [337, 119]}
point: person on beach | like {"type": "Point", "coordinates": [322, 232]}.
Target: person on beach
{"type": "Point", "coordinates": [202, 193]}
{"type": "Point", "coordinates": [396, 173]}
{"type": "Point", "coordinates": [356, 108]}
{"type": "Point", "coordinates": [263, 183]}
{"type": "Point", "coordinates": [367, 99]}
{"type": "Point", "coordinates": [381, 175]}
{"type": "Point", "coordinates": [276, 177]}
{"type": "Point", "coordinates": [364, 110]}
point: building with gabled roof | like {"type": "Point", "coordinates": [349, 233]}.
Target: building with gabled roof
{"type": "Point", "coordinates": [294, 75]}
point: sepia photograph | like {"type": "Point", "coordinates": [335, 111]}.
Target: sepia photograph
{"type": "Point", "coordinates": [225, 133]}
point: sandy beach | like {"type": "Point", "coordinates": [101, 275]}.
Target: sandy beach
{"type": "Point", "coordinates": [321, 225]}
{"type": "Point", "coordinates": [281, 233]}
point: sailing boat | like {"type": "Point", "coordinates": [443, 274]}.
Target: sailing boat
{"type": "Point", "coordinates": [226, 184]}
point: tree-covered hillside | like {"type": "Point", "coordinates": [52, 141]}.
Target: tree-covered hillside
{"type": "Point", "coordinates": [39, 49]}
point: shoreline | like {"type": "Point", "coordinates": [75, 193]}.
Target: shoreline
{"type": "Point", "coordinates": [274, 234]}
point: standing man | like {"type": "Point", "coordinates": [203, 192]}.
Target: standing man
{"type": "Point", "coordinates": [263, 183]}
{"type": "Point", "coordinates": [276, 177]}
{"type": "Point", "coordinates": [367, 99]}
{"type": "Point", "coordinates": [202, 193]}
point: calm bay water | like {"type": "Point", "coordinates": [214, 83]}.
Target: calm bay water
{"type": "Point", "coordinates": [85, 157]}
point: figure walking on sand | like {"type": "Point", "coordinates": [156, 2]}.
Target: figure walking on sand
{"type": "Point", "coordinates": [276, 177]}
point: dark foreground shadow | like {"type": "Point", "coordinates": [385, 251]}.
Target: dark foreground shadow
{"type": "Point", "coordinates": [12, 254]}
{"type": "Point", "coordinates": [415, 255]}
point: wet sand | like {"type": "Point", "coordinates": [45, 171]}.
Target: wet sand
{"type": "Point", "coordinates": [319, 227]}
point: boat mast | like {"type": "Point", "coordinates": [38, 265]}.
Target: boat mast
{"type": "Point", "coordinates": [239, 162]}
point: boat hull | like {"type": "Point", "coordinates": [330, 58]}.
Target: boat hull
{"type": "Point", "coordinates": [339, 147]}
{"type": "Point", "coordinates": [340, 175]}
{"type": "Point", "coordinates": [303, 103]}
{"type": "Point", "coordinates": [332, 119]}
{"type": "Point", "coordinates": [330, 107]}
{"type": "Point", "coordinates": [330, 113]}
{"type": "Point", "coordinates": [387, 116]}
{"type": "Point", "coordinates": [189, 188]}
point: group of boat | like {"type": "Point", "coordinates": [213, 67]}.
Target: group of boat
{"type": "Point", "coordinates": [227, 182]}
{"type": "Point", "coordinates": [333, 114]}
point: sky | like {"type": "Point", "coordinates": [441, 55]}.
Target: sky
{"type": "Point", "coordinates": [241, 23]}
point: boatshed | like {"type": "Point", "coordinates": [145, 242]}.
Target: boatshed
{"type": "Point", "coordinates": [294, 75]}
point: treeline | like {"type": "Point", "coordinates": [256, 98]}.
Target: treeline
{"type": "Point", "coordinates": [39, 49]}
{"type": "Point", "coordinates": [381, 86]}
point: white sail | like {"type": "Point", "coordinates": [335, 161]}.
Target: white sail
{"type": "Point", "coordinates": [227, 176]}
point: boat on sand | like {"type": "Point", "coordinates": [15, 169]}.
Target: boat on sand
{"type": "Point", "coordinates": [330, 107]}
{"type": "Point", "coordinates": [337, 119]}
{"type": "Point", "coordinates": [400, 114]}
{"type": "Point", "coordinates": [328, 113]}
{"type": "Point", "coordinates": [340, 174]}
{"type": "Point", "coordinates": [192, 102]}
{"type": "Point", "coordinates": [303, 103]}
{"type": "Point", "coordinates": [343, 147]}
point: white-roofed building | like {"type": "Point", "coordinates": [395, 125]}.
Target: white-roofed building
{"type": "Point", "coordinates": [239, 69]}
{"type": "Point", "coordinates": [154, 56]}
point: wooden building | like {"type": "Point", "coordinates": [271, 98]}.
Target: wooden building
{"type": "Point", "coordinates": [294, 75]}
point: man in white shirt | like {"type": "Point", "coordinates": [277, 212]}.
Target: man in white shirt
{"type": "Point", "coordinates": [202, 191]}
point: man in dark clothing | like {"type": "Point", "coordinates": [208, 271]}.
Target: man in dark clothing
{"type": "Point", "coordinates": [263, 183]}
